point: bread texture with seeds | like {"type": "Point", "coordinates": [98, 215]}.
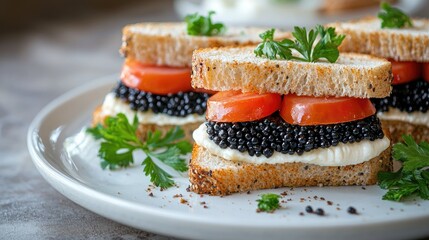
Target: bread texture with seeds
{"type": "Point", "coordinates": [211, 174]}
{"type": "Point", "coordinates": [398, 128]}
{"type": "Point", "coordinates": [237, 68]}
{"type": "Point", "coordinates": [169, 44]}
{"type": "Point", "coordinates": [367, 36]}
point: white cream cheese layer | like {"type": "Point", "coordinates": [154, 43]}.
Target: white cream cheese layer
{"type": "Point", "coordinates": [112, 106]}
{"type": "Point", "coordinates": [418, 118]}
{"type": "Point", "coordinates": [340, 155]}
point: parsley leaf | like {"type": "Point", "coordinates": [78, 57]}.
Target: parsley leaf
{"type": "Point", "coordinates": [393, 17]}
{"type": "Point", "coordinates": [272, 49]}
{"type": "Point", "coordinates": [198, 25]}
{"type": "Point", "coordinates": [268, 203]}
{"type": "Point", "coordinates": [413, 155]}
{"type": "Point", "coordinates": [120, 140]}
{"type": "Point", "coordinates": [304, 43]}
{"type": "Point", "coordinates": [158, 176]}
{"type": "Point", "coordinates": [413, 177]}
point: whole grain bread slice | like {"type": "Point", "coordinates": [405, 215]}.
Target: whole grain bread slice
{"type": "Point", "coordinates": [169, 44]}
{"type": "Point", "coordinates": [367, 36]}
{"type": "Point", "coordinates": [210, 174]}
{"type": "Point", "coordinates": [398, 128]}
{"type": "Point", "coordinates": [98, 118]}
{"type": "Point", "coordinates": [237, 68]}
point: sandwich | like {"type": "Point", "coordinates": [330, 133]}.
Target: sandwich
{"type": "Point", "coordinates": [277, 121]}
{"type": "Point", "coordinates": [405, 43]}
{"type": "Point", "coordinates": [155, 82]}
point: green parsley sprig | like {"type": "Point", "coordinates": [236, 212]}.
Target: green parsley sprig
{"type": "Point", "coordinates": [304, 43]}
{"type": "Point", "coordinates": [413, 177]}
{"type": "Point", "coordinates": [268, 203]}
{"type": "Point", "coordinates": [120, 140]}
{"type": "Point", "coordinates": [198, 25]}
{"type": "Point", "coordinates": [392, 17]}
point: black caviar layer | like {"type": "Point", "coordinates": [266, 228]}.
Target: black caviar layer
{"type": "Point", "coordinates": [179, 104]}
{"type": "Point", "coordinates": [408, 97]}
{"type": "Point", "coordinates": [263, 137]}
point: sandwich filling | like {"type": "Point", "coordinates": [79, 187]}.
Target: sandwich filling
{"type": "Point", "coordinates": [264, 137]}
{"type": "Point", "coordinates": [269, 128]}
{"type": "Point", "coordinates": [157, 94]}
{"type": "Point", "coordinates": [409, 100]}
{"type": "Point", "coordinates": [113, 105]}
{"type": "Point", "coordinates": [179, 104]}
{"type": "Point", "coordinates": [342, 154]}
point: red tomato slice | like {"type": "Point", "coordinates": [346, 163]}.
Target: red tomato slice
{"type": "Point", "coordinates": [156, 79]}
{"type": "Point", "coordinates": [305, 110]}
{"type": "Point", "coordinates": [404, 72]}
{"type": "Point", "coordinates": [235, 106]}
{"type": "Point", "coordinates": [426, 71]}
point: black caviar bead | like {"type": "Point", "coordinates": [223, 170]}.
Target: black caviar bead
{"type": "Point", "coordinates": [216, 139]}
{"type": "Point", "coordinates": [231, 132]}
{"type": "Point", "coordinates": [223, 144]}
{"type": "Point", "coordinates": [408, 97]}
{"type": "Point", "coordinates": [285, 145]}
{"type": "Point", "coordinates": [309, 209]}
{"type": "Point", "coordinates": [223, 134]}
{"type": "Point", "coordinates": [179, 104]}
{"type": "Point", "coordinates": [257, 148]}
{"type": "Point", "coordinates": [251, 152]}
{"type": "Point", "coordinates": [248, 136]}
{"type": "Point", "coordinates": [352, 210]}
{"type": "Point", "coordinates": [268, 152]}
{"type": "Point", "coordinates": [241, 148]}
{"type": "Point", "coordinates": [319, 212]}
{"type": "Point", "coordinates": [288, 137]}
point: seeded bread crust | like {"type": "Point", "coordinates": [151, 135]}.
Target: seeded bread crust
{"type": "Point", "coordinates": [210, 174]}
{"type": "Point", "coordinates": [143, 129]}
{"type": "Point", "coordinates": [366, 36]}
{"type": "Point", "coordinates": [353, 75]}
{"type": "Point", "coordinates": [398, 128]}
{"type": "Point", "coordinates": [169, 44]}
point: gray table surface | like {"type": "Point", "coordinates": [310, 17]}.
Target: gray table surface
{"type": "Point", "coordinates": [36, 67]}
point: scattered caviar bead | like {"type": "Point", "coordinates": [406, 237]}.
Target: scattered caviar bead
{"type": "Point", "coordinates": [351, 210]}
{"type": "Point", "coordinates": [309, 209]}
{"type": "Point", "coordinates": [290, 139]}
{"type": "Point", "coordinates": [319, 212]}
{"type": "Point", "coordinates": [178, 104]}
{"type": "Point", "coordinates": [409, 97]}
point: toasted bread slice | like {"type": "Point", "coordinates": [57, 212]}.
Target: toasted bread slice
{"type": "Point", "coordinates": [143, 128]}
{"type": "Point", "coordinates": [405, 44]}
{"type": "Point", "coordinates": [398, 128]}
{"type": "Point", "coordinates": [210, 174]}
{"type": "Point", "coordinates": [169, 44]}
{"type": "Point", "coordinates": [353, 75]}
{"type": "Point", "coordinates": [400, 123]}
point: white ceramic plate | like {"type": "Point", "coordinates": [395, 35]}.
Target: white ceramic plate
{"type": "Point", "coordinates": [66, 157]}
